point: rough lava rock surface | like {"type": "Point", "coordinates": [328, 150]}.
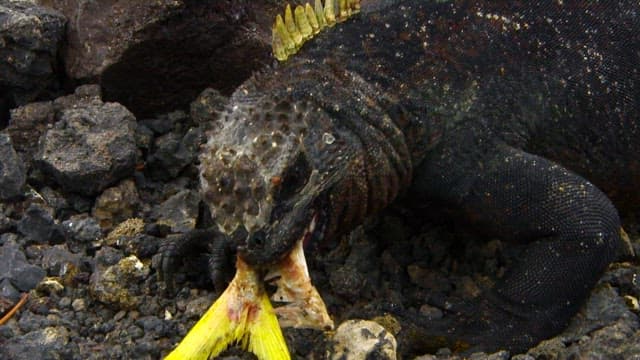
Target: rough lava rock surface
{"type": "Point", "coordinates": [156, 56]}
{"type": "Point", "coordinates": [30, 38]}
{"type": "Point", "coordinates": [90, 147]}
{"type": "Point", "coordinates": [12, 171]}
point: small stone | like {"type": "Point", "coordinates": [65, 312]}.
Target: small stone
{"type": "Point", "coordinates": [171, 156]}
{"type": "Point", "coordinates": [426, 357]}
{"type": "Point", "coordinates": [82, 228]}
{"type": "Point", "coordinates": [151, 324]}
{"type": "Point", "coordinates": [37, 225]}
{"type": "Point", "coordinates": [159, 126]}
{"type": "Point", "coordinates": [60, 262]}
{"type": "Point", "coordinates": [64, 302]}
{"type": "Point", "coordinates": [427, 278]}
{"type": "Point", "coordinates": [15, 268]}
{"type": "Point", "coordinates": [347, 281]}
{"type": "Point", "coordinates": [126, 229]}
{"type": "Point", "coordinates": [119, 315]}
{"type": "Point", "coordinates": [107, 256]}
{"type": "Point", "coordinates": [179, 212]}
{"type": "Point", "coordinates": [500, 355]}
{"type": "Point", "coordinates": [12, 171]}
{"type": "Point", "coordinates": [117, 284]}
{"type": "Point", "coordinates": [6, 224]}
{"type": "Point", "coordinates": [42, 343]}
{"type": "Point", "coordinates": [54, 200]}
{"type": "Point", "coordinates": [144, 137]}
{"type": "Point", "coordinates": [198, 306]}
{"type": "Point", "coordinates": [8, 294]}
{"type": "Point", "coordinates": [116, 204]}
{"type": "Point", "coordinates": [389, 322]}
{"type": "Point", "coordinates": [78, 304]}
{"type": "Point", "coordinates": [431, 312]}
{"type": "Point", "coordinates": [360, 340]}
{"type": "Point", "coordinates": [49, 286]}
{"type": "Point", "coordinates": [523, 357]}
{"type": "Point", "coordinates": [632, 303]}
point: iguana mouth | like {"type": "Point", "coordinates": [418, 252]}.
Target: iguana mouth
{"type": "Point", "coordinates": [302, 306]}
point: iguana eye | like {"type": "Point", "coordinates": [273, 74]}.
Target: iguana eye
{"type": "Point", "coordinates": [294, 179]}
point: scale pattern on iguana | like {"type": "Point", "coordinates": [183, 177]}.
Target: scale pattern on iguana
{"type": "Point", "coordinates": [498, 110]}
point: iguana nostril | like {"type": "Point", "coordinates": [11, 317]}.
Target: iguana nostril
{"type": "Point", "coordinates": [257, 239]}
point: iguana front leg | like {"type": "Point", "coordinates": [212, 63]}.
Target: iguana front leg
{"type": "Point", "coordinates": [177, 249]}
{"type": "Point", "coordinates": [570, 227]}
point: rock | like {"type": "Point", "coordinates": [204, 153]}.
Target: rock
{"type": "Point", "coordinates": [30, 121]}
{"type": "Point", "coordinates": [118, 284]}
{"type": "Point", "coordinates": [27, 123]}
{"type": "Point", "coordinates": [126, 229]}
{"type": "Point", "coordinates": [151, 324]}
{"type": "Point", "coordinates": [171, 155]}
{"type": "Point", "coordinates": [37, 226]}
{"type": "Point", "coordinates": [82, 228]}
{"type": "Point", "coordinates": [160, 125]}
{"type": "Point", "coordinates": [179, 212]}
{"type": "Point", "coordinates": [347, 281]}
{"type": "Point", "coordinates": [156, 56]}
{"type": "Point", "coordinates": [430, 312]}
{"type": "Point", "coordinates": [60, 262]}
{"type": "Point", "coordinates": [144, 137]}
{"type": "Point", "coordinates": [15, 268]}
{"type": "Point", "coordinates": [197, 306]}
{"type": "Point", "coordinates": [48, 343]}
{"type": "Point", "coordinates": [8, 294]}
{"type": "Point", "coordinates": [116, 204]}
{"type": "Point", "coordinates": [6, 224]}
{"type": "Point", "coordinates": [612, 342]}
{"type": "Point", "coordinates": [207, 107]}
{"type": "Point", "coordinates": [500, 355]}
{"type": "Point", "coordinates": [90, 147]}
{"type": "Point", "coordinates": [107, 256]}
{"type": "Point", "coordinates": [604, 306]}
{"type": "Point", "coordinates": [12, 171]}
{"type": "Point", "coordinates": [53, 199]}
{"type": "Point", "coordinates": [30, 37]}
{"type": "Point", "coordinates": [78, 304]}
{"type": "Point", "coordinates": [360, 340]}
{"type": "Point", "coordinates": [49, 286]}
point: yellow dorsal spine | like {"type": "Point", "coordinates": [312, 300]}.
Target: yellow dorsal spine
{"type": "Point", "coordinates": [301, 24]}
{"type": "Point", "coordinates": [292, 28]}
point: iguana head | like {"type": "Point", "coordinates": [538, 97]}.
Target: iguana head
{"type": "Point", "coordinates": [265, 174]}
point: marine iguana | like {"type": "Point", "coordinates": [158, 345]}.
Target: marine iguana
{"type": "Point", "coordinates": [474, 104]}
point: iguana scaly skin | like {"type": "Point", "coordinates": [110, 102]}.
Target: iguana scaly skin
{"type": "Point", "coordinates": [471, 103]}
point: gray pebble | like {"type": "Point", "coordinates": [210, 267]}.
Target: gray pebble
{"type": "Point", "coordinates": [15, 268]}
{"type": "Point", "coordinates": [78, 304]}
{"type": "Point", "coordinates": [12, 171]}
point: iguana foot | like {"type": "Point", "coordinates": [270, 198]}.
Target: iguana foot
{"type": "Point", "coordinates": [176, 249]}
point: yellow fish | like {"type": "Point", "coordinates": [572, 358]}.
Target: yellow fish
{"type": "Point", "coordinates": [242, 315]}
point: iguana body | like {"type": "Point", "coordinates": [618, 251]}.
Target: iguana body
{"type": "Point", "coordinates": [449, 102]}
